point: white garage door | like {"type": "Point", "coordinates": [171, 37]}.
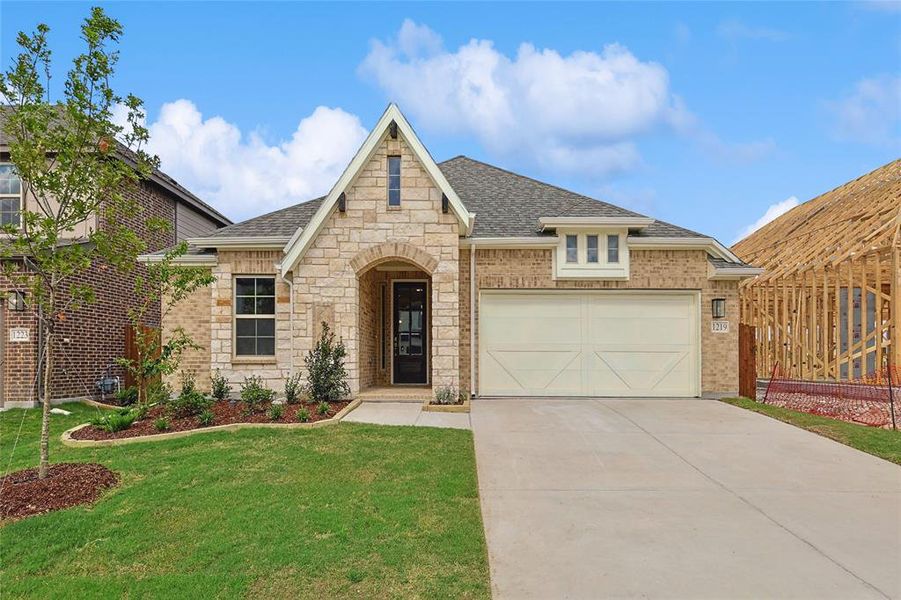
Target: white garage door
{"type": "Point", "coordinates": [560, 343]}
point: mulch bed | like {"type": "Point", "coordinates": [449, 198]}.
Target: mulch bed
{"type": "Point", "coordinates": [225, 414]}
{"type": "Point", "coordinates": [22, 494]}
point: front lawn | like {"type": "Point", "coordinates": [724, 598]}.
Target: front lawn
{"type": "Point", "coordinates": [883, 443]}
{"type": "Point", "coordinates": [350, 510]}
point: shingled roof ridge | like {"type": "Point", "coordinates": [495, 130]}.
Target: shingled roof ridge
{"type": "Point", "coordinates": [580, 198]}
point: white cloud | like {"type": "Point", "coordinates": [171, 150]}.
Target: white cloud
{"type": "Point", "coordinates": [241, 174]}
{"type": "Point", "coordinates": [871, 113]}
{"type": "Point", "coordinates": [773, 211]}
{"type": "Point", "coordinates": [579, 112]}
{"type": "Point", "coordinates": [734, 30]}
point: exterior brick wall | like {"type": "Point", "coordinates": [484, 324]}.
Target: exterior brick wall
{"type": "Point", "coordinates": [649, 269]}
{"type": "Point", "coordinates": [274, 369]}
{"type": "Point", "coordinates": [193, 315]}
{"type": "Point", "coordinates": [90, 337]}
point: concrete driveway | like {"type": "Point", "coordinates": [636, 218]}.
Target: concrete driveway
{"type": "Point", "coordinates": [586, 498]}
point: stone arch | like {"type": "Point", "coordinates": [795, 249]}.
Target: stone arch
{"type": "Point", "coordinates": [380, 253]}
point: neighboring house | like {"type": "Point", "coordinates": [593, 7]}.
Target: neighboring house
{"type": "Point", "coordinates": [828, 305]}
{"type": "Point", "coordinates": [572, 296]}
{"type": "Point", "coordinates": [92, 336]}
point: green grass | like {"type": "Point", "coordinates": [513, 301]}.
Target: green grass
{"type": "Point", "coordinates": [345, 511]}
{"type": "Point", "coordinates": [883, 443]}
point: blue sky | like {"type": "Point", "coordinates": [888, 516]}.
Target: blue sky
{"type": "Point", "coordinates": [705, 115]}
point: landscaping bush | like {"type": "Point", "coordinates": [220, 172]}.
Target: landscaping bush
{"type": "Point", "coordinates": [254, 394]}
{"type": "Point", "coordinates": [127, 396]}
{"type": "Point", "coordinates": [205, 418]}
{"type": "Point", "coordinates": [140, 411]}
{"type": "Point", "coordinates": [115, 421]}
{"type": "Point", "coordinates": [188, 382]}
{"type": "Point", "coordinates": [161, 424]}
{"type": "Point", "coordinates": [326, 376]}
{"type": "Point", "coordinates": [219, 386]}
{"type": "Point", "coordinates": [323, 407]}
{"type": "Point", "coordinates": [275, 412]}
{"type": "Point", "coordinates": [158, 393]}
{"type": "Point", "coordinates": [302, 415]}
{"type": "Point", "coordinates": [187, 404]}
{"type": "Point", "coordinates": [448, 394]}
{"type": "Point", "coordinates": [293, 389]}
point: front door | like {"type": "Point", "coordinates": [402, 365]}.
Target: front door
{"type": "Point", "coordinates": [410, 332]}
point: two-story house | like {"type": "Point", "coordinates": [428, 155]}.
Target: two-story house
{"type": "Point", "coordinates": [93, 336]}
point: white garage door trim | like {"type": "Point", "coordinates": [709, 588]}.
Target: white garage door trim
{"type": "Point", "coordinates": [581, 343]}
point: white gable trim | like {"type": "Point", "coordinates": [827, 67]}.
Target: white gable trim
{"type": "Point", "coordinates": [684, 243]}
{"type": "Point", "coordinates": [303, 237]}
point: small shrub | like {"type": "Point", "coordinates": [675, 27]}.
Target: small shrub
{"type": "Point", "coordinates": [275, 412]}
{"type": "Point", "coordinates": [127, 396]}
{"type": "Point", "coordinates": [254, 394]}
{"type": "Point", "coordinates": [188, 404]}
{"type": "Point", "coordinates": [158, 393]}
{"type": "Point", "coordinates": [187, 381]}
{"type": "Point", "coordinates": [326, 376]}
{"type": "Point", "coordinates": [302, 415]}
{"type": "Point", "coordinates": [322, 408]}
{"type": "Point", "coordinates": [447, 394]}
{"type": "Point", "coordinates": [219, 386]}
{"type": "Point", "coordinates": [140, 411]}
{"type": "Point", "coordinates": [293, 389]}
{"type": "Point", "coordinates": [205, 418]}
{"type": "Point", "coordinates": [161, 424]}
{"type": "Point", "coordinates": [115, 421]}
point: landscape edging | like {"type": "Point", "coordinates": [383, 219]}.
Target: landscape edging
{"type": "Point", "coordinates": [68, 440]}
{"type": "Point", "coordinates": [427, 406]}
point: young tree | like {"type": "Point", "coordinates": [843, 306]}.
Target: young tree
{"type": "Point", "coordinates": [75, 166]}
{"type": "Point", "coordinates": [165, 284]}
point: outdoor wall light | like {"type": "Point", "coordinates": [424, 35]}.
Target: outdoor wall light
{"type": "Point", "coordinates": [718, 307]}
{"type": "Point", "coordinates": [16, 301]}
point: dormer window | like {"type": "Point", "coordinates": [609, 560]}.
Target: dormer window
{"type": "Point", "coordinates": [612, 248]}
{"type": "Point", "coordinates": [572, 249]}
{"type": "Point", "coordinates": [10, 196]}
{"type": "Point", "coordinates": [592, 248]}
{"type": "Point", "coordinates": [589, 253]}
{"type": "Point", "coordinates": [393, 181]}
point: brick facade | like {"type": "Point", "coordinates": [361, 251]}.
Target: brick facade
{"type": "Point", "coordinates": [649, 270]}
{"type": "Point", "coordinates": [90, 337]}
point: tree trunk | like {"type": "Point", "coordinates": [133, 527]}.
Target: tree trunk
{"type": "Point", "coordinates": [45, 417]}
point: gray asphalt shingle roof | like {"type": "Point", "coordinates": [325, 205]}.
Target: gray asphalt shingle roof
{"type": "Point", "coordinates": [505, 204]}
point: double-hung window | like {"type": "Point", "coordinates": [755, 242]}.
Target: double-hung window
{"type": "Point", "coordinates": [254, 316]}
{"type": "Point", "coordinates": [393, 181]}
{"type": "Point", "coordinates": [10, 196]}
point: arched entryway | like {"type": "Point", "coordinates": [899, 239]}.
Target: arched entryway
{"type": "Point", "coordinates": [395, 319]}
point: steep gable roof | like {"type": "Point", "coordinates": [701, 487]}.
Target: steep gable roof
{"type": "Point", "coordinates": [392, 117]}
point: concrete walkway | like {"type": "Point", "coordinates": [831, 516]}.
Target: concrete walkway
{"type": "Point", "coordinates": [405, 413]}
{"type": "Point", "coordinates": [645, 498]}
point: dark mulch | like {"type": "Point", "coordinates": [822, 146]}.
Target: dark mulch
{"type": "Point", "coordinates": [22, 494]}
{"type": "Point", "coordinates": [225, 414]}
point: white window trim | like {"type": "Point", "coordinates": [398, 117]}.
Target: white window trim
{"type": "Point", "coordinates": [582, 269]}
{"type": "Point", "coordinates": [253, 358]}
{"type": "Point", "coordinates": [20, 196]}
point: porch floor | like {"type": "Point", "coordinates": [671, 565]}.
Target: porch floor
{"type": "Point", "coordinates": [396, 393]}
